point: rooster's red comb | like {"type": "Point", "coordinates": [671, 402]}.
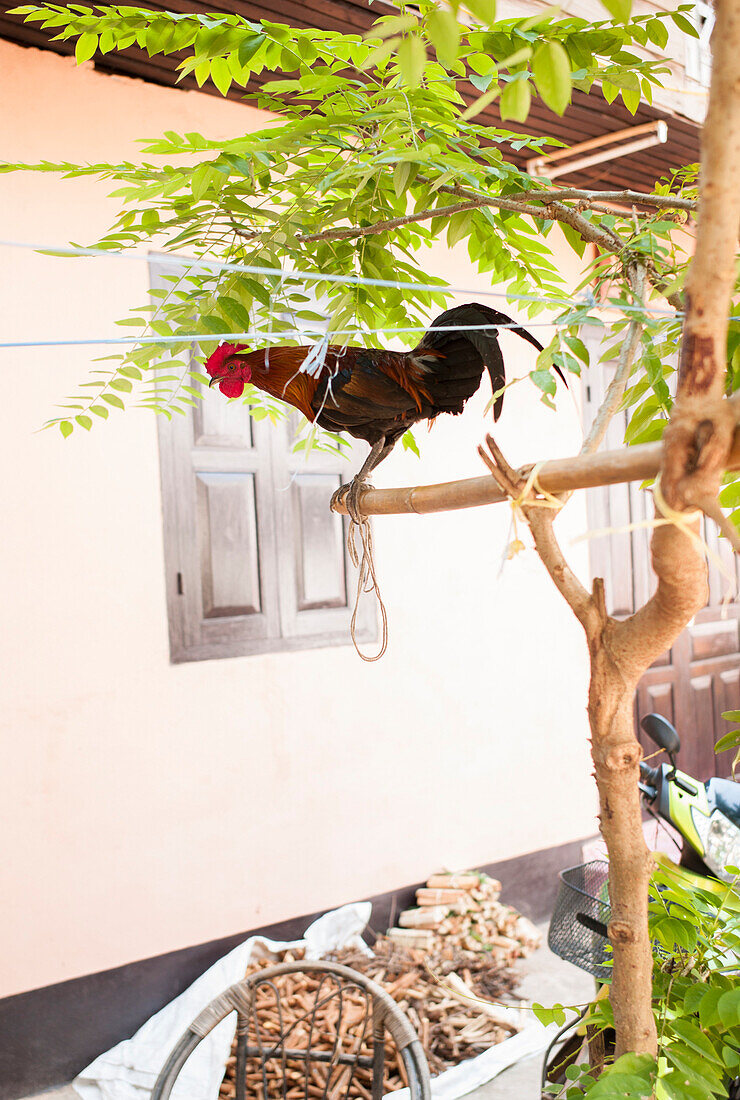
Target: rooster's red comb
{"type": "Point", "coordinates": [221, 354]}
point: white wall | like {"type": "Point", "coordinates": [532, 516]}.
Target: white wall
{"type": "Point", "coordinates": [148, 807]}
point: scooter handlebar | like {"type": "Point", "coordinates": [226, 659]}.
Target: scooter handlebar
{"type": "Point", "coordinates": [649, 775]}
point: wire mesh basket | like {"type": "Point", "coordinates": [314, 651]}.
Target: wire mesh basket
{"type": "Point", "coordinates": [579, 920]}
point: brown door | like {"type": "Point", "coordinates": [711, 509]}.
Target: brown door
{"type": "Point", "coordinates": [699, 677]}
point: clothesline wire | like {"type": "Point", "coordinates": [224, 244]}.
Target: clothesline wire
{"type": "Point", "coordinates": [180, 262]}
{"type": "Point", "coordinates": [202, 338]}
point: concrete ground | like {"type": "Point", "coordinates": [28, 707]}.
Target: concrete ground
{"type": "Point", "coordinates": [547, 979]}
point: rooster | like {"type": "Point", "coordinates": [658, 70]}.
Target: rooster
{"type": "Point", "coordinates": [373, 394]}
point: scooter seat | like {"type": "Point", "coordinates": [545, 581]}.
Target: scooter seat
{"type": "Point", "coordinates": [726, 797]}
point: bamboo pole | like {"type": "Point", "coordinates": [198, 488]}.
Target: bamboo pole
{"type": "Point", "coordinates": [557, 475]}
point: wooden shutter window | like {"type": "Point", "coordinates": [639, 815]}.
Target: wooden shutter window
{"type": "Point", "coordinates": [255, 560]}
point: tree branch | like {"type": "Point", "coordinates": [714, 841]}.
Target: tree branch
{"type": "Point", "coordinates": [560, 475]}
{"type": "Point", "coordinates": [711, 276]}
{"type": "Point", "coordinates": [345, 233]}
{"type": "Point", "coordinates": [699, 434]}
{"type": "Point", "coordinates": [557, 211]}
{"type": "Point", "coordinates": [382, 227]}
{"type": "Point", "coordinates": [682, 589]}
{"type": "Point", "coordinates": [540, 517]}
{"type": "Point", "coordinates": [618, 384]}
{"type": "Point", "coordinates": [671, 202]}
{"type": "Point", "coordinates": [519, 203]}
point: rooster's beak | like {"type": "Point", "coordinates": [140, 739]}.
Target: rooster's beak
{"type": "Point", "coordinates": [213, 382]}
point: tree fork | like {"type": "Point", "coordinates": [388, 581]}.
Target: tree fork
{"type": "Point", "coordinates": [616, 753]}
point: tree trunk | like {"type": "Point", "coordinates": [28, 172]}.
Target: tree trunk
{"type": "Point", "coordinates": [616, 755]}
{"type": "Point", "coordinates": [696, 448]}
{"type": "Point", "coordinates": [620, 652]}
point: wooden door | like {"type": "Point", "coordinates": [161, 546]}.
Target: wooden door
{"type": "Point", "coordinates": [699, 677]}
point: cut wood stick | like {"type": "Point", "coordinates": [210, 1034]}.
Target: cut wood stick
{"type": "Point", "coordinates": [500, 1014]}
{"type": "Point", "coordinates": [453, 881]}
{"type": "Point", "coordinates": [555, 476]}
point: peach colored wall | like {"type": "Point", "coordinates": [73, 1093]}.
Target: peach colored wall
{"type": "Point", "coordinates": [147, 807]}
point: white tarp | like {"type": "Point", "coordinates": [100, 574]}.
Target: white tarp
{"type": "Point", "coordinates": [129, 1070]}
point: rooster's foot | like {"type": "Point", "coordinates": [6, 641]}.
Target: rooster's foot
{"type": "Point", "coordinates": [350, 496]}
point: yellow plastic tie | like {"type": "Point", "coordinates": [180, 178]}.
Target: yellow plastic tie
{"type": "Point", "coordinates": [525, 498]}
{"type": "Point", "coordinates": [681, 520]}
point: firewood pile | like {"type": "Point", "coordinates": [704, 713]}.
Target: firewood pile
{"type": "Point", "coordinates": [447, 968]}
{"type": "Point", "coordinates": [447, 997]}
{"type": "Point", "coordinates": [464, 911]}
{"type": "Point", "coordinates": [301, 1007]}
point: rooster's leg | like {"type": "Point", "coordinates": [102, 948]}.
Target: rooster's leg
{"type": "Point", "coordinates": [359, 482]}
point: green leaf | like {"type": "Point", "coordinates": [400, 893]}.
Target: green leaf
{"type": "Point", "coordinates": [708, 1011]}
{"type": "Point", "coordinates": [578, 348]}
{"type": "Point", "coordinates": [397, 24]}
{"type": "Point", "coordinates": [696, 1069]}
{"type": "Point", "coordinates": [86, 46]}
{"type": "Point", "coordinates": [444, 34]}
{"type": "Point", "coordinates": [657, 32]}
{"type": "Point", "coordinates": [482, 83]}
{"type": "Point", "coordinates": [236, 312]}
{"type": "Point", "coordinates": [482, 63]}
{"type": "Point", "coordinates": [694, 996]}
{"type": "Point", "coordinates": [201, 179]}
{"type": "Point", "coordinates": [574, 239]}
{"type": "Point", "coordinates": [730, 740]}
{"type": "Point", "coordinates": [211, 323]}
{"type": "Point", "coordinates": [731, 1057]}
{"type": "Point", "coordinates": [221, 74]}
{"type": "Point", "coordinates": [249, 48]}
{"type": "Point", "coordinates": [409, 443]}
{"type": "Point", "coordinates": [401, 175]}
{"type": "Point", "coordinates": [84, 421]}
{"type": "Point", "coordinates": [515, 100]}
{"type": "Point", "coordinates": [483, 10]}
{"type": "Point", "coordinates": [684, 24]}
{"type": "Point", "coordinates": [609, 91]}
{"type": "Point", "coordinates": [618, 9]}
{"type": "Point", "coordinates": [65, 428]}
{"type": "Point", "coordinates": [376, 57]}
{"type": "Point", "coordinates": [630, 1076]}
{"type": "Point", "coordinates": [728, 1007]}
{"type": "Point", "coordinates": [516, 58]}
{"type": "Point", "coordinates": [111, 399]}
{"type": "Point", "coordinates": [412, 56]}
{"type": "Point", "coordinates": [554, 1015]}
{"type": "Point", "coordinates": [544, 381]}
{"type": "Point", "coordinates": [691, 1034]}
{"type": "Point", "coordinates": [631, 98]}
{"type": "Point", "coordinates": [551, 72]}
{"type": "Point", "coordinates": [481, 103]}
{"type": "Point", "coordinates": [457, 227]}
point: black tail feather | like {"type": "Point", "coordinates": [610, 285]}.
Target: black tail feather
{"type": "Point", "coordinates": [484, 341]}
